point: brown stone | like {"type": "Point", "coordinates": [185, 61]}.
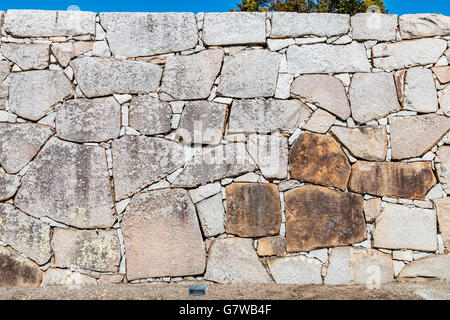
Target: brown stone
{"type": "Point", "coordinates": [17, 271]}
{"type": "Point", "coordinates": [318, 159]}
{"type": "Point", "coordinates": [272, 246]}
{"type": "Point", "coordinates": [399, 78]}
{"type": "Point", "coordinates": [411, 180]}
{"type": "Point", "coordinates": [64, 52]}
{"type": "Point", "coordinates": [372, 209]}
{"type": "Point", "coordinates": [442, 74]}
{"type": "Point", "coordinates": [253, 210]}
{"type": "Point", "coordinates": [318, 217]}
{"type": "Point", "coordinates": [443, 214]}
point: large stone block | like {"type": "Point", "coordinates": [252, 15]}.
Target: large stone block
{"type": "Point", "coordinates": [442, 162]}
{"type": "Point", "coordinates": [430, 267]}
{"type": "Point", "coordinates": [211, 215]}
{"type": "Point", "coordinates": [298, 270]}
{"type": "Point", "coordinates": [443, 214]}
{"type": "Point", "coordinates": [420, 91]}
{"type": "Point", "coordinates": [374, 26]}
{"type": "Point", "coordinates": [149, 115]}
{"type": "Point", "coordinates": [8, 186]}
{"type": "Point", "coordinates": [17, 271]}
{"type": "Point", "coordinates": [424, 25]}
{"type": "Point", "coordinates": [66, 278]}
{"type": "Point", "coordinates": [27, 55]}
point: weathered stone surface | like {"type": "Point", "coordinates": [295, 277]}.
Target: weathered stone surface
{"type": "Point", "coordinates": [320, 121]}
{"type": "Point", "coordinates": [205, 191]}
{"type": "Point", "coordinates": [162, 236]}
{"type": "Point", "coordinates": [325, 58]}
{"type": "Point", "coordinates": [372, 209]}
{"type": "Point", "coordinates": [363, 266]}
{"type": "Point", "coordinates": [253, 210]}
{"type": "Point", "coordinates": [430, 267]}
{"type": "Point", "coordinates": [68, 183]}
{"type": "Point", "coordinates": [292, 24]}
{"type": "Point", "coordinates": [325, 91]}
{"type": "Point", "coordinates": [32, 94]}
{"type": "Point", "coordinates": [424, 25]}
{"type": "Point", "coordinates": [369, 143]}
{"type": "Point", "coordinates": [17, 271]}
{"type": "Point", "coordinates": [278, 44]}
{"type": "Point", "coordinates": [233, 260]}
{"type": "Point", "coordinates": [216, 163]}
{"type": "Point", "coordinates": [19, 143]}
{"type": "Point", "coordinates": [272, 246]}
{"type": "Point", "coordinates": [66, 51]}
{"type": "Point", "coordinates": [191, 77]}
{"type": "Point", "coordinates": [140, 161]}
{"type": "Point", "coordinates": [202, 122]}
{"type": "Point", "coordinates": [97, 250]}
{"type": "Point", "coordinates": [149, 115]}
{"type": "Point", "coordinates": [441, 73]}
{"type": "Point", "coordinates": [295, 270]}
{"type": "Point", "coordinates": [442, 162]}
{"type": "Point", "coordinates": [443, 214]}
{"type": "Point", "coordinates": [318, 217]}
{"type": "Point", "coordinates": [27, 55]}
{"type": "Point", "coordinates": [5, 69]}
{"type": "Point", "coordinates": [8, 186]}
{"type": "Point", "coordinates": [402, 227]}
{"type": "Point", "coordinates": [374, 26]}
{"type": "Point", "coordinates": [413, 136]}
{"type": "Point", "coordinates": [110, 278]}
{"type": "Point", "coordinates": [444, 100]}
{"type": "Point", "coordinates": [270, 153]}
{"type": "Point", "coordinates": [211, 215]}
{"type": "Point", "coordinates": [264, 116]}
{"type": "Point", "coordinates": [420, 91]}
{"type": "Point", "coordinates": [372, 96]}
{"type": "Point", "coordinates": [318, 159]}
{"type": "Point", "coordinates": [399, 78]}
{"type": "Point", "coordinates": [67, 278]}
{"type": "Point", "coordinates": [147, 34]}
{"type": "Point", "coordinates": [404, 54]}
{"type": "Point", "coordinates": [392, 179]}
{"type": "Point", "coordinates": [102, 77]}
{"type": "Point", "coordinates": [231, 28]}
{"type": "Point", "coordinates": [88, 120]}
{"type": "Point", "coordinates": [249, 74]}
{"type": "Point", "coordinates": [39, 23]}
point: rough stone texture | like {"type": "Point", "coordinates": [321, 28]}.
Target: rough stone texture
{"type": "Point", "coordinates": [420, 91]}
{"type": "Point", "coordinates": [211, 215]}
{"type": "Point", "coordinates": [5, 68]}
{"type": "Point", "coordinates": [19, 143]}
{"type": "Point", "coordinates": [270, 153]}
{"type": "Point", "coordinates": [369, 143]}
{"type": "Point", "coordinates": [430, 267]}
{"type": "Point", "coordinates": [205, 191]}
{"type": "Point", "coordinates": [8, 186]}
{"type": "Point", "coordinates": [402, 227]}
{"type": "Point", "coordinates": [351, 266]}
{"type": "Point", "coordinates": [88, 120]}
{"type": "Point", "coordinates": [442, 162]}
{"type": "Point", "coordinates": [66, 51]}
{"type": "Point", "coordinates": [320, 121]}
{"type": "Point", "coordinates": [162, 236]}
{"type": "Point", "coordinates": [26, 55]}
{"type": "Point", "coordinates": [253, 210]}
{"type": "Point", "coordinates": [272, 246]}
{"type": "Point", "coordinates": [441, 73]}
{"type": "Point", "coordinates": [399, 77]}
{"type": "Point", "coordinates": [423, 25]}
{"type": "Point", "coordinates": [191, 77]}
{"type": "Point", "coordinates": [372, 209]}
{"type": "Point", "coordinates": [372, 96]}
{"type": "Point", "coordinates": [374, 26]}
{"type": "Point", "coordinates": [67, 278]}
{"type": "Point", "coordinates": [444, 101]}
{"type": "Point", "coordinates": [233, 260]}
{"type": "Point", "coordinates": [139, 161]}
{"type": "Point", "coordinates": [231, 28]}
{"type": "Point", "coordinates": [318, 217]}
{"type": "Point", "coordinates": [68, 183]}
{"type": "Point", "coordinates": [325, 58]}
{"type": "Point", "coordinates": [299, 270]}
{"type": "Point", "coordinates": [101, 77]}
{"type": "Point", "coordinates": [318, 159]}
{"type": "Point", "coordinates": [392, 179]}
{"type": "Point", "coordinates": [391, 56]}
{"type": "Point", "coordinates": [149, 115]}
{"type": "Point", "coordinates": [17, 271]}
{"type": "Point", "coordinates": [33, 94]}
{"type": "Point", "coordinates": [443, 214]}
{"type": "Point", "coordinates": [97, 250]}
{"type": "Point", "coordinates": [413, 136]}
{"type": "Point", "coordinates": [249, 74]}
{"type": "Point", "coordinates": [202, 122]}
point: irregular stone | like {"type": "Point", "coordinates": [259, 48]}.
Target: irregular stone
{"type": "Point", "coordinates": [66, 278]}
{"type": "Point", "coordinates": [162, 236]}
{"type": "Point", "coordinates": [253, 210]}
{"type": "Point", "coordinates": [272, 246]}
{"type": "Point", "coordinates": [420, 91]}
{"type": "Point", "coordinates": [27, 55]}
{"type": "Point", "coordinates": [307, 24]}
{"type": "Point", "coordinates": [442, 162]}
{"type": "Point", "coordinates": [19, 143]}
{"type": "Point", "coordinates": [211, 215]}
{"type": "Point", "coordinates": [430, 267]}
{"type": "Point", "coordinates": [369, 143]}
{"type": "Point", "coordinates": [318, 217]}
{"type": "Point", "coordinates": [205, 191]}
{"type": "Point", "coordinates": [325, 58]}
{"type": "Point", "coordinates": [278, 44]}
{"type": "Point", "coordinates": [39, 23]}
{"type": "Point", "coordinates": [374, 26]}
{"type": "Point", "coordinates": [441, 73]}
{"type": "Point", "coordinates": [362, 266]}
{"type": "Point", "coordinates": [298, 270]}
{"type": "Point", "coordinates": [5, 69]}
{"type": "Point", "coordinates": [424, 25]}
{"type": "Point", "coordinates": [66, 51]}
{"type": "Point", "coordinates": [202, 122]}
{"type": "Point", "coordinates": [372, 96]}
{"type": "Point", "coordinates": [264, 116]}
{"type": "Point", "coordinates": [231, 28]}
{"type": "Point", "coordinates": [413, 136]}
{"type": "Point", "coordinates": [249, 74]}
{"type": "Point", "coordinates": [88, 120]}
{"type": "Point", "coordinates": [139, 161]}
{"type": "Point", "coordinates": [147, 34]}
{"type": "Point", "coordinates": [68, 183]}
{"type": "Point", "coordinates": [403, 255]}
{"type": "Point", "coordinates": [8, 186]}
{"type": "Point", "coordinates": [32, 94]}
{"type": "Point", "coordinates": [372, 209]}
{"type": "Point", "coordinates": [95, 250]}
{"type": "Point", "coordinates": [443, 214]}
{"type": "Point", "coordinates": [399, 77]}
{"type": "Point", "coordinates": [318, 159]}
{"type": "Point", "coordinates": [101, 77]}
{"type": "Point", "coordinates": [150, 115]}
{"type": "Point", "coordinates": [390, 56]}
{"type": "Point", "coordinates": [283, 90]}
{"type": "Point", "coordinates": [248, 177]}
{"type": "Point", "coordinates": [113, 278]}
{"type": "Point", "coordinates": [270, 153]}
{"type": "Point", "coordinates": [233, 260]}
{"type": "Point", "coordinates": [191, 77]}
{"type": "Point", "coordinates": [326, 91]}
{"type": "Point", "coordinates": [320, 121]}
{"type": "Point", "coordinates": [17, 271]}
{"type": "Point", "coordinates": [402, 227]}
{"type": "Point", "coordinates": [444, 100]}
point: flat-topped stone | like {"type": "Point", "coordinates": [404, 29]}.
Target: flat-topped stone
{"type": "Point", "coordinates": [298, 270]}
{"type": "Point", "coordinates": [374, 26]}
{"type": "Point", "coordinates": [211, 215]}
{"type": "Point", "coordinates": [431, 267]}
{"type": "Point", "coordinates": [420, 91]}
{"type": "Point", "coordinates": [27, 56]}
{"type": "Point", "coordinates": [423, 25]}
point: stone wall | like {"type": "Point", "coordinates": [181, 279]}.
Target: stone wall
{"type": "Point", "coordinates": [229, 147]}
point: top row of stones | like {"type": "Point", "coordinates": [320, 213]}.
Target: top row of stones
{"type": "Point", "coordinates": [146, 34]}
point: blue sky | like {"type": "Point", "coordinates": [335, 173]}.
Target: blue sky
{"type": "Point", "coordinates": [394, 6]}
